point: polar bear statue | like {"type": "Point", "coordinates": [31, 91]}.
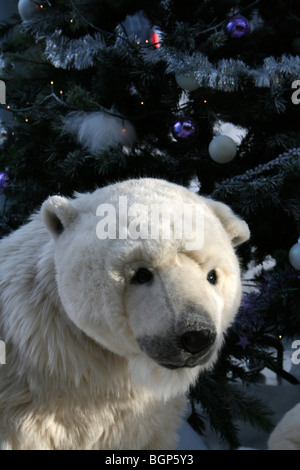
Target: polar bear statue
{"type": "Point", "coordinates": [110, 307]}
{"type": "Point", "coordinates": [286, 435]}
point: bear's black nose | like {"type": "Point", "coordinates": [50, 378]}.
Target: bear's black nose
{"type": "Point", "coordinates": [196, 341]}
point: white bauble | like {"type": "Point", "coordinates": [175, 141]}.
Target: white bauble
{"type": "Point", "coordinates": [186, 81]}
{"type": "Point", "coordinates": [294, 255]}
{"type": "Point", "coordinates": [27, 9]}
{"type": "Point", "coordinates": [99, 130]}
{"type": "Point", "coordinates": [222, 149]}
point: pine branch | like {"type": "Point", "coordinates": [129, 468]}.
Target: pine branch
{"type": "Point", "coordinates": [252, 411]}
{"type": "Point", "coordinates": [222, 402]}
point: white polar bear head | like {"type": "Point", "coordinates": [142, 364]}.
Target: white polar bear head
{"type": "Point", "coordinates": [159, 291]}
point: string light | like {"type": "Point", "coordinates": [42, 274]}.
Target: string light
{"type": "Point", "coordinates": [204, 101]}
{"type": "Point", "coordinates": [71, 20]}
{"type": "Point", "coordinates": [8, 107]}
{"type": "Point", "coordinates": [26, 119]}
{"type": "Point", "coordinates": [280, 336]}
{"type": "Point", "coordinates": [142, 102]}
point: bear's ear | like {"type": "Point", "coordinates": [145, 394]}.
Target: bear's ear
{"type": "Point", "coordinates": [236, 228]}
{"type": "Point", "coordinates": [57, 214]}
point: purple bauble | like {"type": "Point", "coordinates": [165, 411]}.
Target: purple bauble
{"type": "Point", "coordinates": [4, 180]}
{"type": "Point", "coordinates": [184, 129]}
{"type": "Point", "coordinates": [237, 27]}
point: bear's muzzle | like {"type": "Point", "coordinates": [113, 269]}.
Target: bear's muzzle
{"type": "Point", "coordinates": [196, 342]}
{"type": "Point", "coordinates": [190, 343]}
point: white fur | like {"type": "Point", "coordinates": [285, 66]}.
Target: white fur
{"type": "Point", "coordinates": [286, 435]}
{"type": "Point", "coordinates": [75, 376]}
{"type": "Point", "coordinates": [99, 131]}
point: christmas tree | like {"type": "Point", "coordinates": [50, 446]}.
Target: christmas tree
{"type": "Point", "coordinates": [100, 91]}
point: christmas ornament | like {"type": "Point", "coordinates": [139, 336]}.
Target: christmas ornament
{"type": "Point", "coordinates": [186, 81]}
{"type": "Point", "coordinates": [237, 27]}
{"type": "Point", "coordinates": [243, 341]}
{"type": "Point", "coordinates": [185, 129]}
{"type": "Point", "coordinates": [99, 130]}
{"type": "Point", "coordinates": [140, 26]}
{"type": "Point", "coordinates": [28, 8]}
{"type": "Point", "coordinates": [4, 180]}
{"type": "Point", "coordinates": [294, 255]}
{"type": "Point", "coordinates": [222, 149]}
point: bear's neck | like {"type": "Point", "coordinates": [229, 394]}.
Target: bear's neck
{"type": "Point", "coordinates": [44, 344]}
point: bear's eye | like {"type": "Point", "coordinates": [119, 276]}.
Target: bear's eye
{"type": "Point", "coordinates": [212, 277]}
{"type": "Point", "coordinates": [142, 276]}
